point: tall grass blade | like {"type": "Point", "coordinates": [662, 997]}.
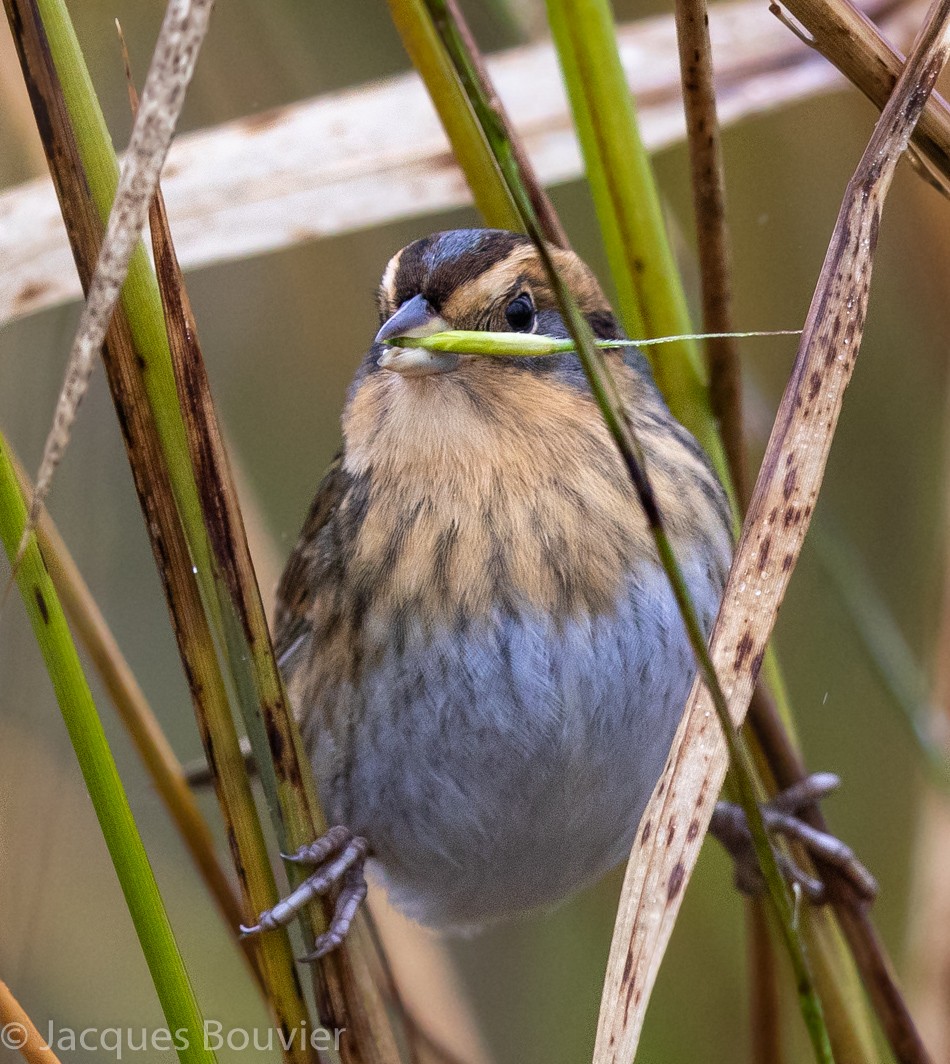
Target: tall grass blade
{"type": "Point", "coordinates": [651, 300]}
{"type": "Point", "coordinates": [100, 774]}
{"type": "Point", "coordinates": [348, 996]}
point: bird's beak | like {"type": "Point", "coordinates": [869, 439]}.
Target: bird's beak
{"type": "Point", "coordinates": [416, 317]}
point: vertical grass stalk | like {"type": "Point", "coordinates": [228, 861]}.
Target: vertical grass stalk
{"type": "Point", "coordinates": [651, 300]}
{"type": "Point", "coordinates": [471, 150]}
{"type": "Point", "coordinates": [163, 767]}
{"type": "Point", "coordinates": [100, 775]}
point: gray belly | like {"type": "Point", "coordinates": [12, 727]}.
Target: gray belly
{"type": "Point", "coordinates": [506, 765]}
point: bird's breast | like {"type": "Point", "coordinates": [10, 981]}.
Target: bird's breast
{"type": "Point", "coordinates": [499, 660]}
{"type": "Point", "coordinates": [474, 501]}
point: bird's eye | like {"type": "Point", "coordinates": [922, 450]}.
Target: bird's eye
{"type": "Point", "coordinates": [520, 313]}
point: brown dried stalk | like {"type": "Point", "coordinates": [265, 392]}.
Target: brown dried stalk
{"type": "Point", "coordinates": [929, 931]}
{"type": "Point", "coordinates": [765, 1006]}
{"type": "Point", "coordinates": [725, 395]}
{"type": "Point", "coordinates": [426, 986]}
{"type": "Point", "coordinates": [846, 37]}
{"type": "Point", "coordinates": [930, 928]}
{"type": "Point", "coordinates": [929, 952]}
{"type": "Point", "coordinates": [712, 234]}
{"type": "Point", "coordinates": [348, 997]}
{"type": "Point", "coordinates": [834, 972]}
{"type": "Point", "coordinates": [870, 956]}
{"type": "Point", "coordinates": [780, 512]}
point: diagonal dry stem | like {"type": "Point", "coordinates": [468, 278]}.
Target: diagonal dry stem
{"type": "Point", "coordinates": [779, 514]}
{"type": "Point", "coordinates": [835, 976]}
{"type": "Point", "coordinates": [20, 1033]}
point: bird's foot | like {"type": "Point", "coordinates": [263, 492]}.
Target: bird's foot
{"type": "Point", "coordinates": [338, 859]}
{"type": "Point", "coordinates": [782, 817]}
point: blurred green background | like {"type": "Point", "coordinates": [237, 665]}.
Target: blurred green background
{"type": "Point", "coordinates": [282, 334]}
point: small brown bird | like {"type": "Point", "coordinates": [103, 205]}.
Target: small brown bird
{"type": "Point", "coordinates": [475, 629]}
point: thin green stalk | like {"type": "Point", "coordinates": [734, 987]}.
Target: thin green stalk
{"type": "Point", "coordinates": [651, 300]}
{"type": "Point", "coordinates": [650, 295]}
{"type": "Point", "coordinates": [133, 709]}
{"type": "Point", "coordinates": [643, 266]}
{"type": "Point", "coordinates": [612, 409]}
{"type": "Point", "coordinates": [101, 776]}
{"type": "Point", "coordinates": [534, 345]}
{"type": "Point", "coordinates": [469, 146]}
{"type": "Point", "coordinates": [141, 300]}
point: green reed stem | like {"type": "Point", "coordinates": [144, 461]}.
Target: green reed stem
{"type": "Point", "coordinates": [534, 345]}
{"type": "Point", "coordinates": [140, 299]}
{"type": "Point", "coordinates": [101, 775]}
{"type": "Point", "coordinates": [469, 146]}
{"type": "Point", "coordinates": [85, 168]}
{"type": "Point", "coordinates": [650, 295]}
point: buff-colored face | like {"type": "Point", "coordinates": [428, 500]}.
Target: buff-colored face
{"type": "Point", "coordinates": [476, 279]}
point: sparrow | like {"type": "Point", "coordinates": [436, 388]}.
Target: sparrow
{"type": "Point", "coordinates": [475, 630]}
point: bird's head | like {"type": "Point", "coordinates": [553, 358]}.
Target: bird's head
{"type": "Point", "coordinates": [486, 280]}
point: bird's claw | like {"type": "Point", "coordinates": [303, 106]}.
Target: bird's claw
{"type": "Point", "coordinates": [782, 816]}
{"type": "Point", "coordinates": [352, 893]}
{"type": "Point", "coordinates": [338, 858]}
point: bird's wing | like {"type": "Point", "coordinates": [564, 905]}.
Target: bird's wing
{"type": "Point", "coordinates": [297, 587]}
